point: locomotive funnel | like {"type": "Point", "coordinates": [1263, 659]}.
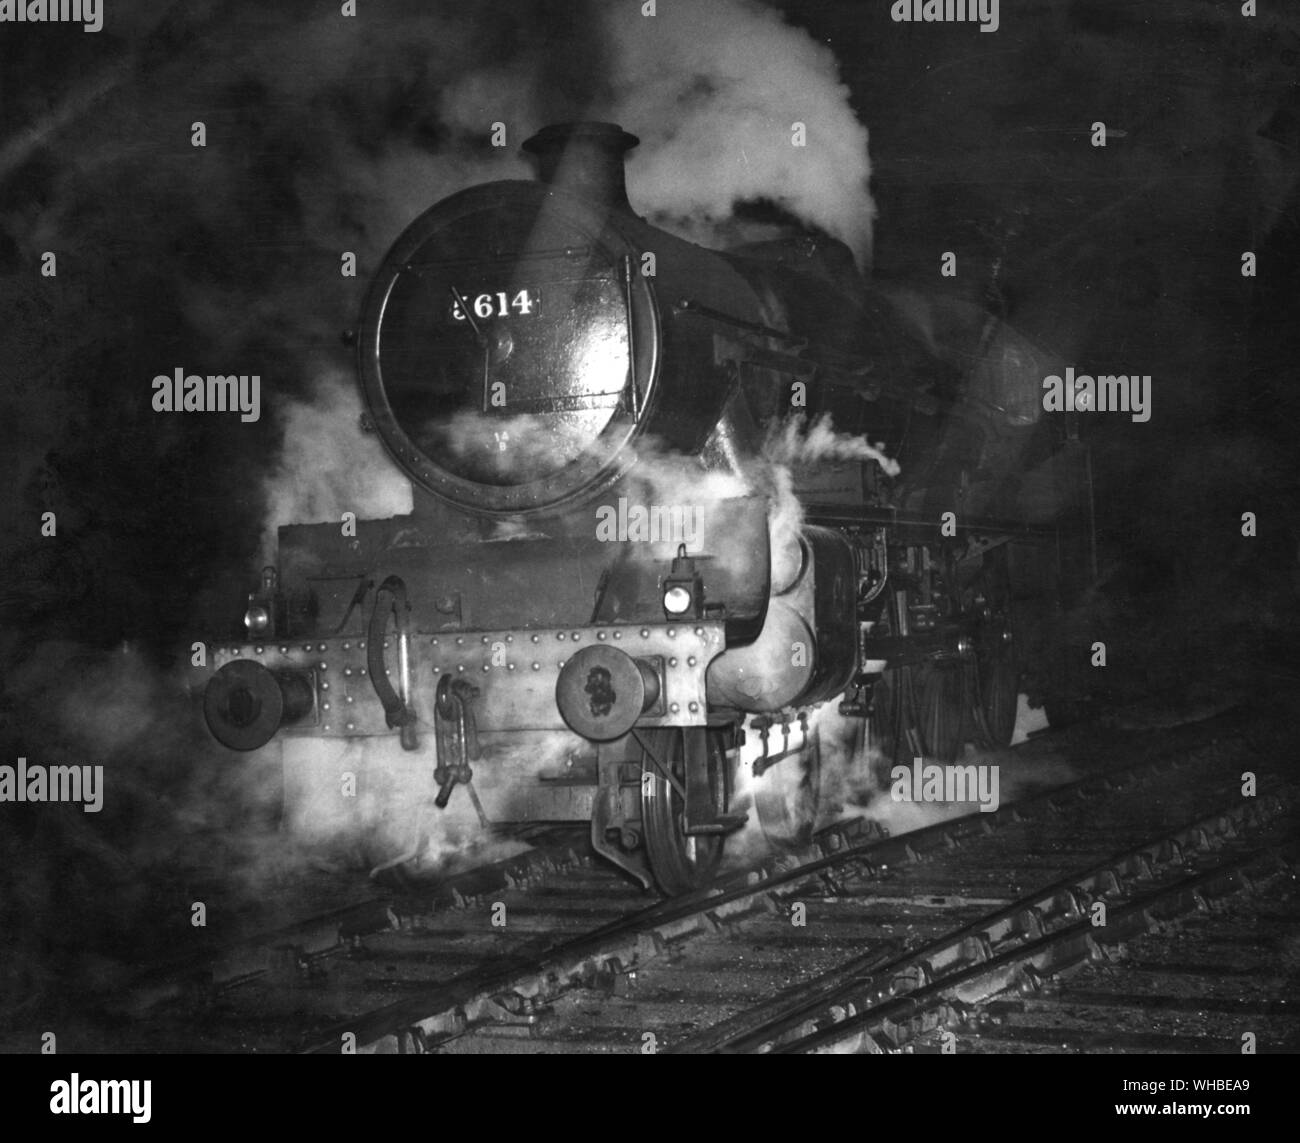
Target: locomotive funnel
{"type": "Point", "coordinates": [585, 159]}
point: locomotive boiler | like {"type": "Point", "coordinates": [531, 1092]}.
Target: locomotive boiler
{"type": "Point", "coordinates": [631, 569]}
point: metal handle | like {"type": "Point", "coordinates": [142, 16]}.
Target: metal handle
{"type": "Point", "coordinates": [397, 704]}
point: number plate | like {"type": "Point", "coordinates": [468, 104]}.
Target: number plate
{"type": "Point", "coordinates": [496, 305]}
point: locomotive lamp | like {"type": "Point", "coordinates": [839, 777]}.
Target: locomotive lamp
{"type": "Point", "coordinates": [683, 588]}
{"type": "Point", "coordinates": [265, 612]}
{"type": "Point", "coordinates": [257, 619]}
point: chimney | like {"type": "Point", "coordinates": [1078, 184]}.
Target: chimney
{"type": "Point", "coordinates": [584, 159]}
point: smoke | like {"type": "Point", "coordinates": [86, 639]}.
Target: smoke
{"type": "Point", "coordinates": [87, 897]}
{"type": "Point", "coordinates": [521, 446]}
{"type": "Point", "coordinates": [716, 91]}
{"type": "Point", "coordinates": [789, 445]}
{"type": "Point", "coordinates": [389, 819]}
{"type": "Point", "coordinates": [855, 774]}
{"type": "Point", "coordinates": [773, 800]}
{"type": "Point", "coordinates": [666, 477]}
{"type": "Point", "coordinates": [796, 442]}
{"type": "Point", "coordinates": [358, 476]}
{"type": "Point", "coordinates": [850, 780]}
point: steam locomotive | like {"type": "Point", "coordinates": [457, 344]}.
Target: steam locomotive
{"type": "Point", "coordinates": [614, 602]}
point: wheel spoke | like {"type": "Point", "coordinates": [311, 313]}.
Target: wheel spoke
{"type": "Point", "coordinates": [661, 765]}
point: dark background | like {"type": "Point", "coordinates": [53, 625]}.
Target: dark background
{"type": "Point", "coordinates": [1122, 259]}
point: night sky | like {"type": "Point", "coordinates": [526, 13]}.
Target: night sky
{"type": "Point", "coordinates": [327, 133]}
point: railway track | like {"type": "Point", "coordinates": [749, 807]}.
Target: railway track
{"type": "Point", "coordinates": [916, 942]}
{"type": "Point", "coordinates": [1053, 923]}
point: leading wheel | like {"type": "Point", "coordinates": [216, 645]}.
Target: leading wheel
{"type": "Point", "coordinates": [940, 694]}
{"type": "Point", "coordinates": [999, 687]}
{"type": "Point", "coordinates": [680, 861]}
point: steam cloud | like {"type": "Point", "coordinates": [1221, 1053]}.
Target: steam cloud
{"type": "Point", "coordinates": [854, 780]}
{"type": "Point", "coordinates": [303, 491]}
{"type": "Point", "coordinates": [854, 773]}
{"type": "Point", "coordinates": [714, 90]}
{"type": "Point", "coordinates": [797, 442]}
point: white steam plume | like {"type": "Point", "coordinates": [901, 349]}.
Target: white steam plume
{"type": "Point", "coordinates": [796, 441]}
{"type": "Point", "coordinates": [329, 466]}
{"type": "Point", "coordinates": [855, 778]}
{"type": "Point", "coordinates": [714, 90]}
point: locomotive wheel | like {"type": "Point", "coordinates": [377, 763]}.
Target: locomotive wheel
{"type": "Point", "coordinates": [999, 687]}
{"type": "Point", "coordinates": [941, 693]}
{"type": "Point", "coordinates": [679, 861]}
{"type": "Point", "coordinates": [887, 727]}
{"type": "Point", "coordinates": [787, 797]}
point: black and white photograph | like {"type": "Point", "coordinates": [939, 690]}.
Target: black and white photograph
{"type": "Point", "coordinates": [650, 527]}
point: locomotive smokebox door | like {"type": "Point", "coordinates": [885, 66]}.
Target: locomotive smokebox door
{"type": "Point", "coordinates": [509, 352]}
